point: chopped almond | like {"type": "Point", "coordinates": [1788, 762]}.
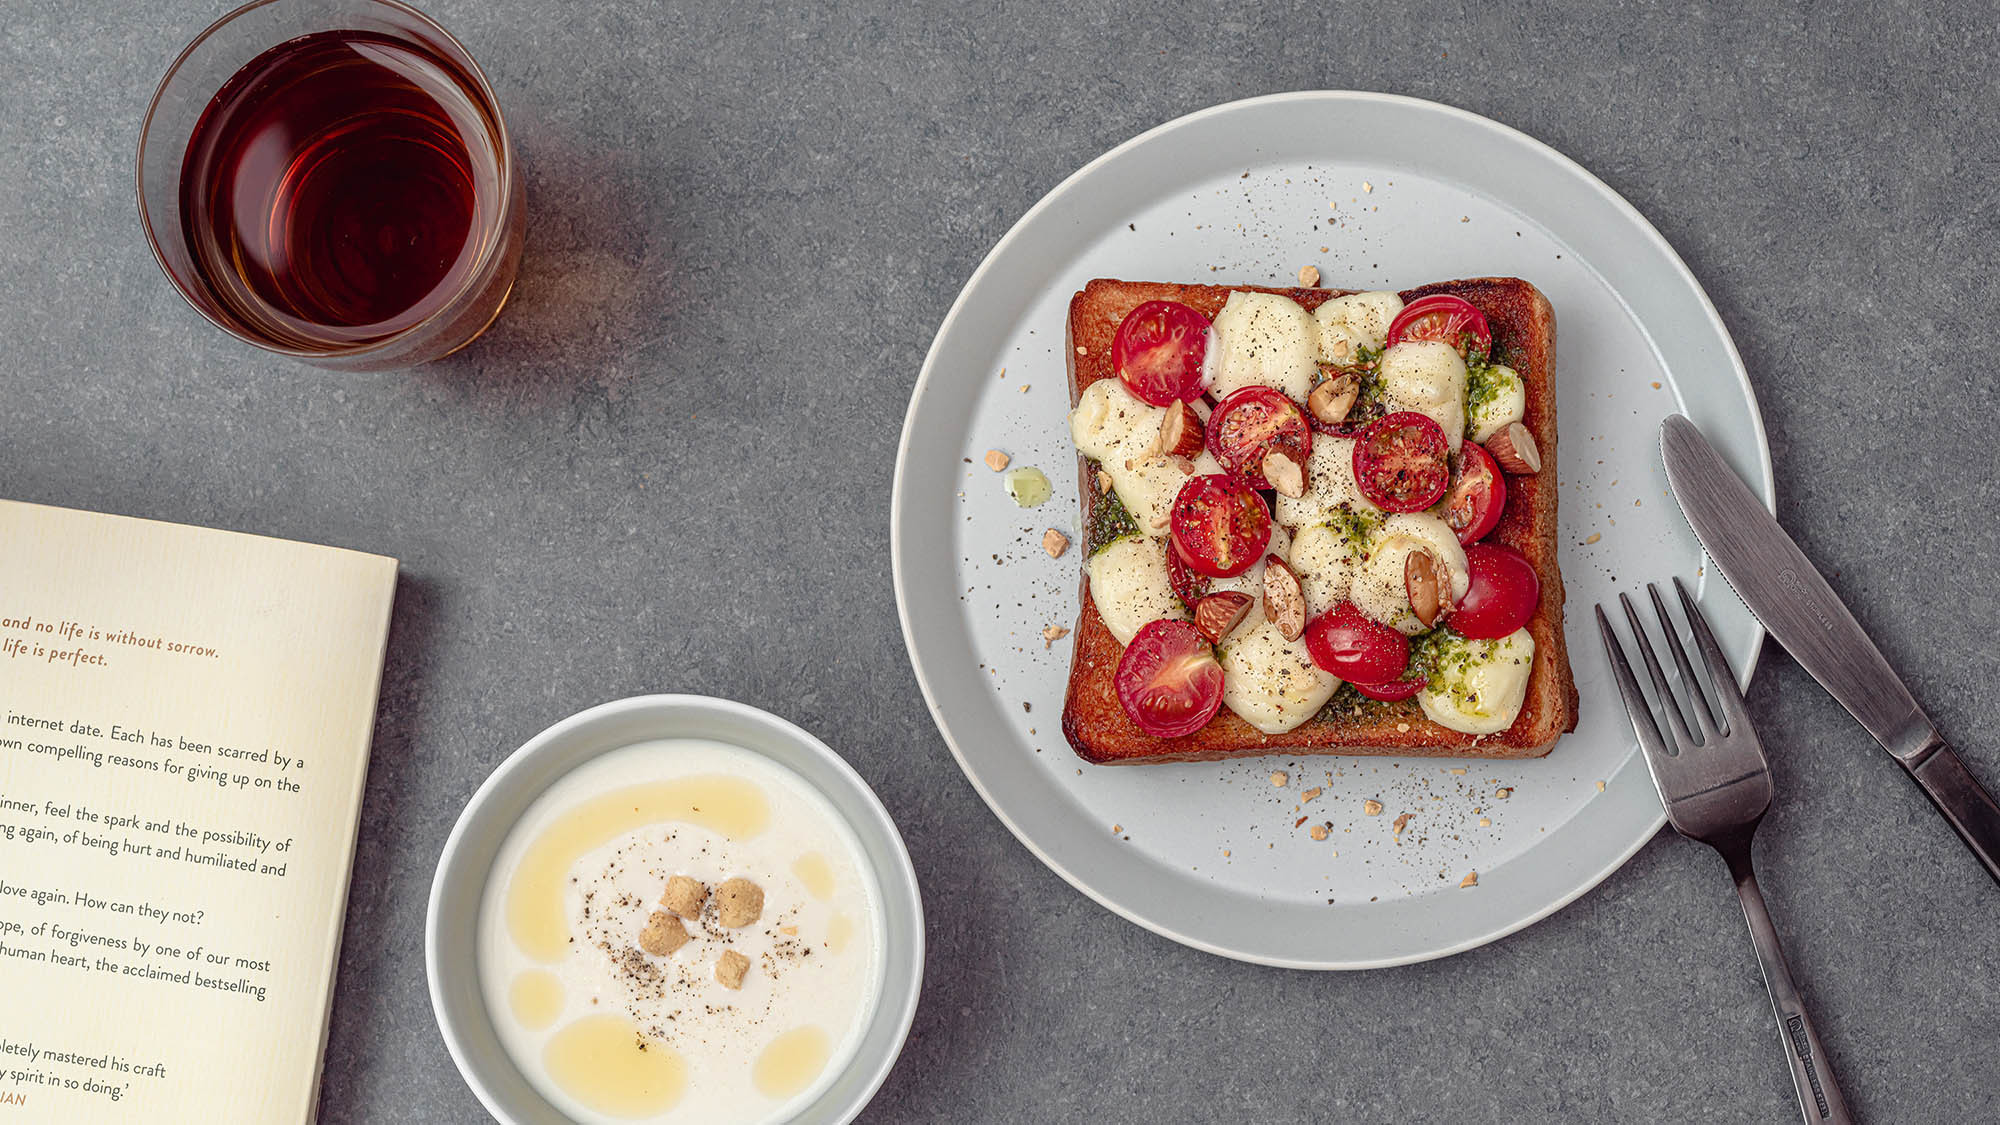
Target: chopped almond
{"type": "Point", "coordinates": [1218, 614]}
{"type": "Point", "coordinates": [1103, 482]}
{"type": "Point", "coordinates": [1308, 276]}
{"type": "Point", "coordinates": [1181, 431]}
{"type": "Point", "coordinates": [996, 460]}
{"type": "Point", "coordinates": [1055, 543]}
{"type": "Point", "coordinates": [1284, 598]}
{"type": "Point", "coordinates": [1503, 794]}
{"type": "Point", "coordinates": [1309, 794]}
{"type": "Point", "coordinates": [1514, 447]}
{"type": "Point", "coordinates": [1372, 807]}
{"type": "Point", "coordinates": [1280, 779]}
{"type": "Point", "coordinates": [1053, 633]}
{"type": "Point", "coordinates": [1331, 400]}
{"type": "Point", "coordinates": [1425, 582]}
{"type": "Point", "coordinates": [1402, 822]}
{"type": "Point", "coordinates": [1284, 468]}
{"type": "Point", "coordinates": [1317, 831]}
{"type": "Point", "coordinates": [1471, 879]}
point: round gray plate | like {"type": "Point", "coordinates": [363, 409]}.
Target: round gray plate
{"type": "Point", "coordinates": [1377, 192]}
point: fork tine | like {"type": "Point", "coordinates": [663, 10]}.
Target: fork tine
{"type": "Point", "coordinates": [1635, 700]}
{"type": "Point", "coordinates": [1683, 741]}
{"type": "Point", "coordinates": [1702, 714]}
{"type": "Point", "coordinates": [1734, 713]}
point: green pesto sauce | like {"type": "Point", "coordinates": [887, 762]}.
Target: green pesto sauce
{"type": "Point", "coordinates": [1028, 486]}
{"type": "Point", "coordinates": [1353, 708]}
{"type": "Point", "coordinates": [1355, 528]}
{"type": "Point", "coordinates": [1483, 384]}
{"type": "Point", "coordinates": [1441, 654]}
{"type": "Point", "coordinates": [1368, 392]}
{"type": "Point", "coordinates": [1109, 521]}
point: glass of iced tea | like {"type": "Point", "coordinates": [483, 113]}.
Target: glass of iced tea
{"type": "Point", "coordinates": [332, 180]}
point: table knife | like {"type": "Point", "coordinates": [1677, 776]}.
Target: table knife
{"type": "Point", "coordinates": [1788, 594]}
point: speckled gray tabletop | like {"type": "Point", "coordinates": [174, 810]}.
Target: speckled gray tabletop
{"type": "Point", "coordinates": [745, 224]}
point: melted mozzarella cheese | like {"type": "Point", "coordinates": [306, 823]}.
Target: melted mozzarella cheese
{"type": "Point", "coordinates": [1262, 339]}
{"type": "Point", "coordinates": [1330, 484]}
{"type": "Point", "coordinates": [1379, 591]}
{"type": "Point", "coordinates": [1358, 320]}
{"type": "Point", "coordinates": [1426, 376]}
{"type": "Point", "coordinates": [1506, 405]}
{"type": "Point", "coordinates": [1479, 689]}
{"type": "Point", "coordinates": [1270, 681]}
{"type": "Point", "coordinates": [1128, 583]}
{"type": "Point", "coordinates": [1113, 427]}
{"type": "Point", "coordinates": [1325, 559]}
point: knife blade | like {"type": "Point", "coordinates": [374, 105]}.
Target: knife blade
{"type": "Point", "coordinates": [1793, 600]}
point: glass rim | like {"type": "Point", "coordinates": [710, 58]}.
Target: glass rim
{"type": "Point", "coordinates": [474, 277]}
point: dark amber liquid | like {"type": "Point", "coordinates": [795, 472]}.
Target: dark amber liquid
{"type": "Point", "coordinates": [339, 188]}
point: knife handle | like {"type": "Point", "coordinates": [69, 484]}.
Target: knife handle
{"type": "Point", "coordinates": [1964, 802]}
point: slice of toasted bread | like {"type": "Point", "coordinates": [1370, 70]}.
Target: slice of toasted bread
{"type": "Point", "coordinates": [1524, 333]}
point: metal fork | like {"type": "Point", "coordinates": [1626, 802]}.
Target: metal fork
{"type": "Point", "coordinates": [1717, 786]}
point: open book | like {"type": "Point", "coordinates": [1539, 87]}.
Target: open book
{"type": "Point", "coordinates": [184, 727]}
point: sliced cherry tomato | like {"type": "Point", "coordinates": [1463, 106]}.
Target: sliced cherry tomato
{"type": "Point", "coordinates": [1169, 680]}
{"type": "Point", "coordinates": [1394, 689]}
{"type": "Point", "coordinates": [1249, 423]}
{"type": "Point", "coordinates": [1478, 494]}
{"type": "Point", "coordinates": [1158, 351]}
{"type": "Point", "coordinates": [1505, 590]}
{"type": "Point", "coordinates": [1219, 525]}
{"type": "Point", "coordinates": [1346, 643]}
{"type": "Point", "coordinates": [1403, 462]}
{"type": "Point", "coordinates": [1441, 316]}
{"type": "Point", "coordinates": [1188, 586]}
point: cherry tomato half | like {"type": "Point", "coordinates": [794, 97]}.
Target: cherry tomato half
{"type": "Point", "coordinates": [1219, 525]}
{"type": "Point", "coordinates": [1478, 494]}
{"type": "Point", "coordinates": [1403, 462]}
{"type": "Point", "coordinates": [1169, 680]}
{"type": "Point", "coordinates": [1441, 316]}
{"type": "Point", "coordinates": [1158, 351]}
{"type": "Point", "coordinates": [1346, 643]}
{"type": "Point", "coordinates": [1503, 595]}
{"type": "Point", "coordinates": [1188, 586]}
{"type": "Point", "coordinates": [1247, 424]}
{"type": "Point", "coordinates": [1394, 689]}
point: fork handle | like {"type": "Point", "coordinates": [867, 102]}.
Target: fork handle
{"type": "Point", "coordinates": [1820, 1099]}
{"type": "Point", "coordinates": [1963, 801]}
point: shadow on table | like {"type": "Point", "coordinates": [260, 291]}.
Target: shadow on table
{"type": "Point", "coordinates": [597, 277]}
{"type": "Point", "coordinates": [376, 920]}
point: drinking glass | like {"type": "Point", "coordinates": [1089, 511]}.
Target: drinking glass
{"type": "Point", "coordinates": [332, 180]}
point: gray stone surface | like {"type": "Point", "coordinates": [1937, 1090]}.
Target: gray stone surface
{"type": "Point", "coordinates": [746, 223]}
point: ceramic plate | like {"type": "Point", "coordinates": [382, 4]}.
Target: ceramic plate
{"type": "Point", "coordinates": [1377, 192]}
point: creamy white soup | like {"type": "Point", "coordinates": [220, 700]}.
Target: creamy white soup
{"type": "Point", "coordinates": [680, 931]}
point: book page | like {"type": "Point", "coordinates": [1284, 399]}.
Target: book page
{"type": "Point", "coordinates": [184, 726]}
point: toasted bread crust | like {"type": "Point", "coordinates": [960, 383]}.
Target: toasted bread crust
{"type": "Point", "coordinates": [1525, 339]}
